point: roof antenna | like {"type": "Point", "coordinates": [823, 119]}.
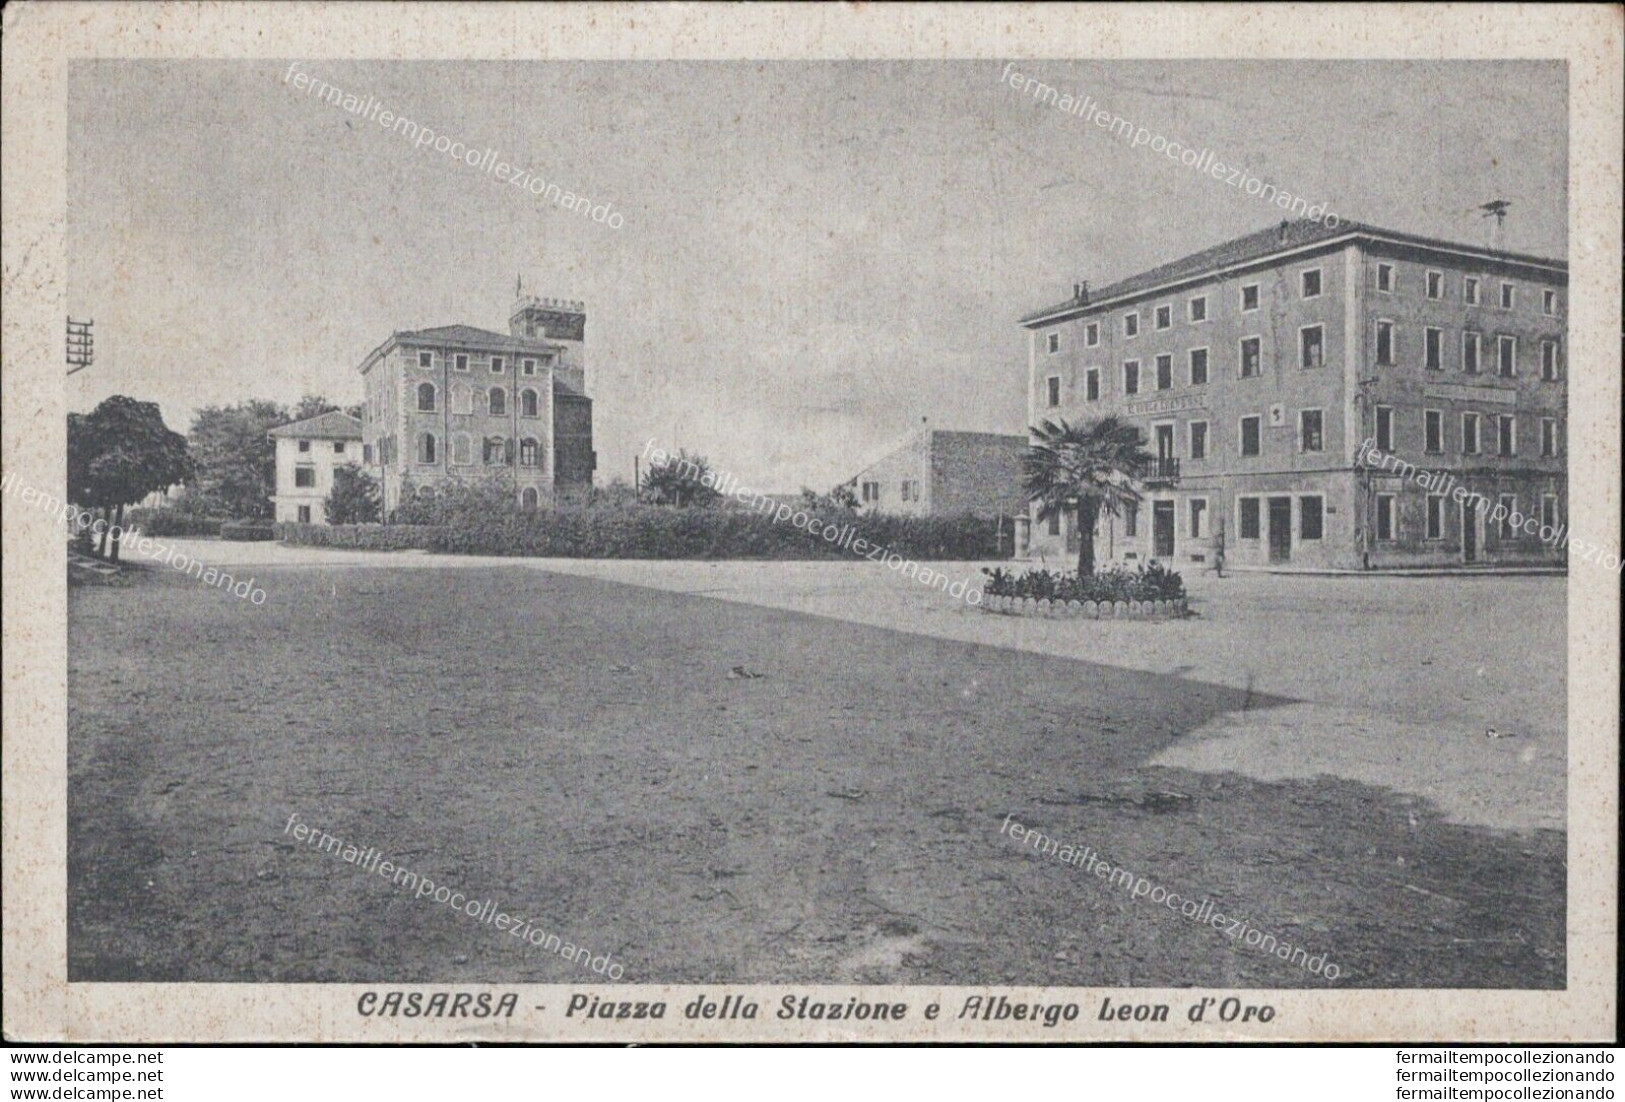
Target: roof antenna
{"type": "Point", "coordinates": [1498, 209]}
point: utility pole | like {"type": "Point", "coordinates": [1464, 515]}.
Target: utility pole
{"type": "Point", "coordinates": [81, 345]}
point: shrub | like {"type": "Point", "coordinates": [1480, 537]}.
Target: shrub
{"type": "Point", "coordinates": [171, 522]}
{"type": "Point", "coordinates": [1152, 582]}
{"type": "Point", "coordinates": [246, 530]}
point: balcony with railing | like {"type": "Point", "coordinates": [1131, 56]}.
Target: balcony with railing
{"type": "Point", "coordinates": [1159, 470]}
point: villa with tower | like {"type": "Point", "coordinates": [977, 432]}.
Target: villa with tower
{"type": "Point", "coordinates": [457, 403]}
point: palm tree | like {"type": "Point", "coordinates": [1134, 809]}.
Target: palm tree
{"type": "Point", "coordinates": [1083, 468]}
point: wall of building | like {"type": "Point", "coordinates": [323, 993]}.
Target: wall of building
{"type": "Point", "coordinates": [978, 473]}
{"type": "Point", "coordinates": [910, 463]}
{"type": "Point", "coordinates": [321, 459]}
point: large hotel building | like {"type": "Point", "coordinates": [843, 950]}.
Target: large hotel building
{"type": "Point", "coordinates": [462, 404]}
{"type": "Point", "coordinates": [1263, 372]}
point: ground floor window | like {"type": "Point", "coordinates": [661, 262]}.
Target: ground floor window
{"type": "Point", "coordinates": [1198, 526]}
{"type": "Point", "coordinates": [1508, 506]}
{"type": "Point", "coordinates": [1055, 524]}
{"type": "Point", "coordinates": [528, 498]}
{"type": "Point", "coordinates": [1548, 513]}
{"type": "Point", "coordinates": [1131, 519]}
{"type": "Point", "coordinates": [1249, 518]}
{"type": "Point", "coordinates": [1385, 517]}
{"type": "Point", "coordinates": [1435, 517]}
{"type": "Point", "coordinates": [1311, 517]}
{"type": "Point", "coordinates": [304, 514]}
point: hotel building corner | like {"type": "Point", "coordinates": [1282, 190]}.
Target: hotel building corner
{"type": "Point", "coordinates": [1259, 369]}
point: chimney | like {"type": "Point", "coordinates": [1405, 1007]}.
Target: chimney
{"type": "Point", "coordinates": [1080, 292]}
{"type": "Point", "coordinates": [1284, 226]}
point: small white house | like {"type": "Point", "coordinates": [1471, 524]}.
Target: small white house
{"type": "Point", "coordinates": [306, 454]}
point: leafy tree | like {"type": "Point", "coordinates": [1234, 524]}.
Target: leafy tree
{"type": "Point", "coordinates": [354, 498]}
{"type": "Point", "coordinates": [312, 405]}
{"type": "Point", "coordinates": [842, 497]}
{"type": "Point", "coordinates": [236, 459]}
{"type": "Point", "coordinates": [118, 454]}
{"type": "Point", "coordinates": [682, 480]}
{"type": "Point", "coordinates": [1084, 469]}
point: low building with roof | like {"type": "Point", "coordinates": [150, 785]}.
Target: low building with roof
{"type": "Point", "coordinates": [307, 452]}
{"type": "Point", "coordinates": [937, 472]}
{"type": "Point", "coordinates": [457, 403]}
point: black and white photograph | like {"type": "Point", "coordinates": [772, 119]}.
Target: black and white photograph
{"type": "Point", "coordinates": [1042, 546]}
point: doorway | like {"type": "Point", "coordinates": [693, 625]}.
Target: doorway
{"type": "Point", "coordinates": [1162, 530]}
{"type": "Point", "coordinates": [1280, 529]}
{"type": "Point", "coordinates": [1469, 530]}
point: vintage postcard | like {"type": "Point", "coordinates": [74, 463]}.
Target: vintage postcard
{"type": "Point", "coordinates": [818, 523]}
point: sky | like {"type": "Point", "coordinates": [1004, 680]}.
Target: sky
{"type": "Point", "coordinates": [816, 259]}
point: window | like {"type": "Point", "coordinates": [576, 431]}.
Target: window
{"type": "Point", "coordinates": [1052, 341]}
{"type": "Point", "coordinates": [1091, 334]}
{"type": "Point", "coordinates": [1198, 367]}
{"type": "Point", "coordinates": [1548, 437]}
{"type": "Point", "coordinates": [1385, 429]}
{"type": "Point", "coordinates": [1548, 360]}
{"type": "Point", "coordinates": [529, 499]}
{"type": "Point", "coordinates": [1250, 427]}
{"type": "Point", "coordinates": [1131, 324]}
{"type": "Point", "coordinates": [304, 514]}
{"type": "Point", "coordinates": [1054, 382]}
{"type": "Point", "coordinates": [1131, 519]}
{"type": "Point", "coordinates": [1165, 372]}
{"type": "Point", "coordinates": [1198, 308]}
{"type": "Point", "coordinates": [426, 447]}
{"type": "Point", "coordinates": [1469, 434]}
{"type": "Point", "coordinates": [1055, 524]}
{"type": "Point", "coordinates": [1433, 431]}
{"type": "Point", "coordinates": [1249, 297]}
{"type": "Point", "coordinates": [1164, 316]}
{"type": "Point", "coordinates": [528, 403]}
{"type": "Point", "coordinates": [1435, 285]}
{"type": "Point", "coordinates": [462, 399]}
{"type": "Point", "coordinates": [1548, 303]}
{"type": "Point", "coordinates": [304, 445]}
{"type": "Point", "coordinates": [1508, 504]}
{"type": "Point", "coordinates": [304, 478]}
{"type": "Point", "coordinates": [461, 362]}
{"type": "Point", "coordinates": [1385, 516]}
{"type": "Point", "coordinates": [1548, 515]}
{"type": "Point", "coordinates": [1506, 435]}
{"type": "Point", "coordinates": [1385, 278]}
{"type": "Point", "coordinates": [1311, 437]}
{"type": "Point", "coordinates": [530, 453]}
{"type": "Point", "coordinates": [497, 365]}
{"type": "Point", "coordinates": [1385, 344]}
{"type": "Point", "coordinates": [1311, 516]}
{"type": "Point", "coordinates": [460, 448]}
{"type": "Point", "coordinates": [1131, 377]}
{"type": "Point", "coordinates": [425, 359]}
{"type": "Point", "coordinates": [1509, 296]}
{"type": "Point", "coordinates": [1469, 352]}
{"type": "Point", "coordinates": [1506, 356]}
{"type": "Point", "coordinates": [1198, 528]}
{"type": "Point", "coordinates": [1250, 357]}
{"type": "Point", "coordinates": [499, 402]}
{"type": "Point", "coordinates": [1091, 384]}
{"type": "Point", "coordinates": [366, 453]}
{"type": "Point", "coordinates": [1435, 530]}
{"type": "Point", "coordinates": [1248, 523]}
{"type": "Point", "coordinates": [426, 397]}
{"type": "Point", "coordinates": [1198, 431]}
{"type": "Point", "coordinates": [496, 451]}
{"type": "Point", "coordinates": [910, 490]}
{"type": "Point", "coordinates": [338, 447]}
{"type": "Point", "coordinates": [1309, 283]}
{"type": "Point", "coordinates": [1311, 346]}
{"type": "Point", "coordinates": [1469, 290]}
{"type": "Point", "coordinates": [871, 492]}
{"type": "Point", "coordinates": [1433, 349]}
{"type": "Point", "coordinates": [528, 366]}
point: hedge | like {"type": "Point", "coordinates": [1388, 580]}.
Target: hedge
{"type": "Point", "coordinates": [660, 532]}
{"type": "Point", "coordinates": [171, 522]}
{"type": "Point", "coordinates": [247, 530]}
